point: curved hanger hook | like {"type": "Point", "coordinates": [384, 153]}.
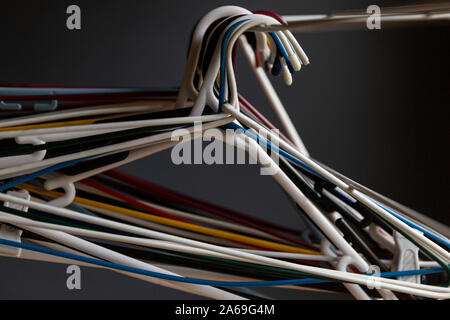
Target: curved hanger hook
{"type": "Point", "coordinates": [6, 162]}
{"type": "Point", "coordinates": [66, 199]}
{"type": "Point", "coordinates": [206, 94]}
{"type": "Point", "coordinates": [354, 289]}
{"type": "Point", "coordinates": [187, 89]}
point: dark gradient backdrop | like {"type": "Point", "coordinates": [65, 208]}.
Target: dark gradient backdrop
{"type": "Point", "coordinates": [372, 104]}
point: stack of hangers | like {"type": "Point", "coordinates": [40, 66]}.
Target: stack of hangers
{"type": "Point", "coordinates": [62, 200]}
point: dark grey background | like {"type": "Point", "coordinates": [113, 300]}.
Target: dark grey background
{"type": "Point", "coordinates": [372, 105]}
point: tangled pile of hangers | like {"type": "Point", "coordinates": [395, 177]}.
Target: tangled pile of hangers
{"type": "Point", "coordinates": [63, 201]}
